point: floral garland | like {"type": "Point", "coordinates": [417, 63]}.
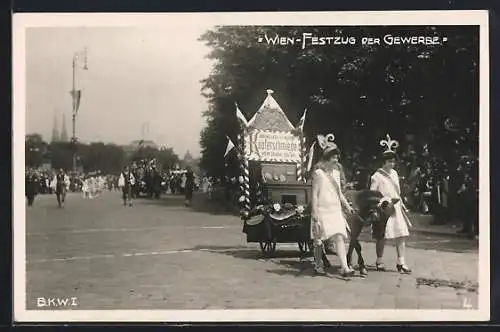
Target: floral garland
{"type": "Point", "coordinates": [277, 211]}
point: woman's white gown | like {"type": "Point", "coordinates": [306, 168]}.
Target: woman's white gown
{"type": "Point", "coordinates": [327, 208]}
{"type": "Point", "coordinates": [397, 224]}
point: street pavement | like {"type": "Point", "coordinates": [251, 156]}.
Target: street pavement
{"type": "Point", "coordinates": [159, 254]}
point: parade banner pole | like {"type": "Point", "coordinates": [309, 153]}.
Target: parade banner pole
{"type": "Point", "coordinates": [244, 182]}
{"type": "Point", "coordinates": [304, 157]}
{"type": "Point", "coordinates": [245, 172]}
{"type": "Point", "coordinates": [247, 184]}
{"type": "Point", "coordinates": [76, 97]}
{"type": "Point", "coordinates": [300, 164]}
{"type": "Point", "coordinates": [244, 168]}
{"type": "Point", "coordinates": [73, 114]}
{"type": "Point", "coordinates": [301, 171]}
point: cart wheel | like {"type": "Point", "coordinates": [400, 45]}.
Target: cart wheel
{"type": "Point", "coordinates": [304, 247]}
{"type": "Point", "coordinates": [267, 247]}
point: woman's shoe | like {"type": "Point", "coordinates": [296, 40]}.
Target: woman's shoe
{"type": "Point", "coordinates": [363, 271]}
{"type": "Point", "coordinates": [347, 273]}
{"type": "Point", "coordinates": [403, 269]}
{"type": "Point", "coordinates": [380, 267]}
{"type": "Point", "coordinates": [319, 271]}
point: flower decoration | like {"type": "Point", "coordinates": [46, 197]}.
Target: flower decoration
{"type": "Point", "coordinates": [241, 179]}
{"type": "Point", "coordinates": [276, 207]}
{"type": "Point", "coordinates": [242, 199]}
{"type": "Point", "coordinates": [278, 212]}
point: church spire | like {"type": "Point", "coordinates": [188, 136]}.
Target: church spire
{"type": "Point", "coordinates": [64, 133]}
{"type": "Point", "coordinates": [55, 132]}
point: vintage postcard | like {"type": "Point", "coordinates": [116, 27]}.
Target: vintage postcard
{"type": "Point", "coordinates": [257, 167]}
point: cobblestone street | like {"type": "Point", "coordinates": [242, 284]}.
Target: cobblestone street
{"type": "Point", "coordinates": [162, 255]}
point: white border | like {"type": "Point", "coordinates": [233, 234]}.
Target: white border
{"type": "Point", "coordinates": [23, 21]}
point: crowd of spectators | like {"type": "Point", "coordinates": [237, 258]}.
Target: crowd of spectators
{"type": "Point", "coordinates": [446, 189]}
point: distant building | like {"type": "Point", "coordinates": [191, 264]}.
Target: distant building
{"type": "Point", "coordinates": [56, 135]}
{"type": "Point", "coordinates": [190, 161]}
{"type": "Point", "coordinates": [55, 131]}
{"type": "Point", "coordinates": [188, 158]}
{"type": "Point", "coordinates": [64, 133]}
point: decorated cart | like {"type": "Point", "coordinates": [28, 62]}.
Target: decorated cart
{"type": "Point", "coordinates": [275, 195]}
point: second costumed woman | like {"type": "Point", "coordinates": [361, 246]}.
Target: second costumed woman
{"type": "Point", "coordinates": [386, 181]}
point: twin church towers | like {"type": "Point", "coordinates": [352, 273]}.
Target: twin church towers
{"type": "Point", "coordinates": [61, 136]}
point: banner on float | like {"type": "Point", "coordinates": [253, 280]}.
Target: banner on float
{"type": "Point", "coordinates": [278, 146]}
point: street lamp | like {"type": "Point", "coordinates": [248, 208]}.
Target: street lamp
{"type": "Point", "coordinates": [76, 95]}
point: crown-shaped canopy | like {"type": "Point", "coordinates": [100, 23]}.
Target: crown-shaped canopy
{"type": "Point", "coordinates": [270, 116]}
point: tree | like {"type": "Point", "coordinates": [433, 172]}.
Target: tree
{"type": "Point", "coordinates": [35, 150]}
{"type": "Point", "coordinates": [61, 155]}
{"type": "Point", "coordinates": [358, 92]}
{"type": "Point", "coordinates": [165, 156]}
{"type": "Point", "coordinates": [107, 158]}
{"type": "Point", "coordinates": [96, 156]}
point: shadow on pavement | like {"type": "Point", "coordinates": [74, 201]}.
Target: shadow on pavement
{"type": "Point", "coordinates": [202, 204]}
{"type": "Point", "coordinates": [455, 246]}
{"type": "Point", "coordinates": [433, 242]}
{"type": "Point", "coordinates": [296, 268]}
{"type": "Point", "coordinates": [290, 262]}
{"type": "Point", "coordinates": [244, 252]}
{"type": "Point", "coordinates": [166, 200]}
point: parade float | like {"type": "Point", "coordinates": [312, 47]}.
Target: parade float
{"type": "Point", "coordinates": [274, 193]}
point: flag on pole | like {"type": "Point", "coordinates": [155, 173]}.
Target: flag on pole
{"type": "Point", "coordinates": [83, 56]}
{"type": "Point", "coordinates": [76, 95]}
{"type": "Point", "coordinates": [310, 156]}
{"type": "Point", "coordinates": [230, 146]}
{"type": "Point", "coordinates": [240, 116]}
{"type": "Point", "coordinates": [302, 120]}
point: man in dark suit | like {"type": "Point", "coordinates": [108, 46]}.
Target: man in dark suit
{"type": "Point", "coordinates": [32, 186]}
{"type": "Point", "coordinates": [189, 186]}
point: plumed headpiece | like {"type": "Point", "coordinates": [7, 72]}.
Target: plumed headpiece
{"type": "Point", "coordinates": [327, 144]}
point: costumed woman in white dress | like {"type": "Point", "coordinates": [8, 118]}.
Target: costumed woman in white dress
{"type": "Point", "coordinates": [126, 181]}
{"type": "Point", "coordinates": [85, 187]}
{"type": "Point", "coordinates": [328, 206]}
{"type": "Point", "coordinates": [386, 181]}
{"type": "Point", "coordinates": [91, 183]}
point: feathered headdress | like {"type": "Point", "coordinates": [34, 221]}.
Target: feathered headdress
{"type": "Point", "coordinates": [326, 143]}
{"type": "Point", "coordinates": [390, 147]}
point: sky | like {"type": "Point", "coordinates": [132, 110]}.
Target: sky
{"type": "Point", "coordinates": [137, 77]}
